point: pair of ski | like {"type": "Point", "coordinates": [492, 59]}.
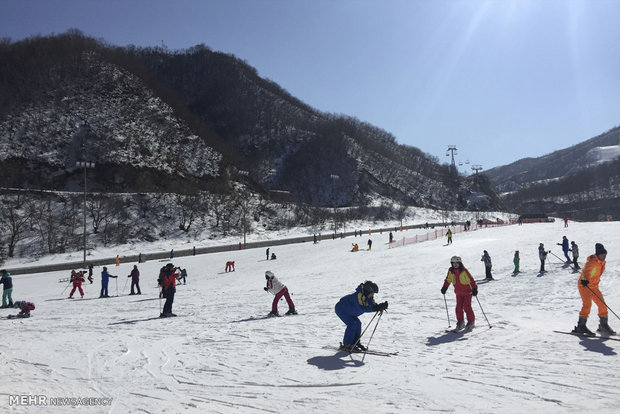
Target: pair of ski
{"type": "Point", "coordinates": [17, 316]}
{"type": "Point", "coordinates": [367, 352]}
{"type": "Point", "coordinates": [462, 330]}
{"type": "Point", "coordinates": [616, 338]}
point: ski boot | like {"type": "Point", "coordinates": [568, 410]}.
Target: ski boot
{"type": "Point", "coordinates": [604, 328]}
{"type": "Point", "coordinates": [291, 311]}
{"type": "Point", "coordinates": [346, 348]}
{"type": "Point", "coordinates": [272, 314]}
{"type": "Point", "coordinates": [359, 347]}
{"type": "Point", "coordinates": [470, 325]}
{"type": "Point", "coordinates": [582, 329]}
{"type": "Point", "coordinates": [459, 325]}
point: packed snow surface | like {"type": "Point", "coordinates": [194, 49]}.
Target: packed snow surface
{"type": "Point", "coordinates": [221, 356]}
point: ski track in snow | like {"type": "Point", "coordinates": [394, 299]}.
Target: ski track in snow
{"type": "Point", "coordinates": [220, 355]}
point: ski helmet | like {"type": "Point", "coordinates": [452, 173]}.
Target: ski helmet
{"type": "Point", "coordinates": [16, 304]}
{"type": "Point", "coordinates": [268, 274]}
{"type": "Point", "coordinates": [370, 287]}
{"type": "Point", "coordinates": [455, 259]}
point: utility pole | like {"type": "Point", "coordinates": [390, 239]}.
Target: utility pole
{"type": "Point", "coordinates": [245, 206]}
{"type": "Point", "coordinates": [477, 168]}
{"type": "Point", "coordinates": [334, 177]}
{"type": "Point", "coordinates": [85, 165]}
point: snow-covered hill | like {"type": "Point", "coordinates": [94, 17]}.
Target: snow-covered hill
{"type": "Point", "coordinates": [219, 356]}
{"type": "Point", "coordinates": [600, 155]}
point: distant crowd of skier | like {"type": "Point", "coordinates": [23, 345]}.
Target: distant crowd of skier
{"type": "Point", "coordinates": [351, 306]}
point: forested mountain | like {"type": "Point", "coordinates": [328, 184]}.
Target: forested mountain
{"type": "Point", "coordinates": [580, 182]}
{"type": "Point", "coordinates": [190, 120]}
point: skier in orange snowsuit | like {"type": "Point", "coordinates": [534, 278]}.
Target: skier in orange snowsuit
{"type": "Point", "coordinates": [589, 291]}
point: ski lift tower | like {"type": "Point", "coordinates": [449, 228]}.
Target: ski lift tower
{"type": "Point", "coordinates": [451, 151]}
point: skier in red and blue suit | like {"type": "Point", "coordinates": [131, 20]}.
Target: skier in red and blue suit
{"type": "Point", "coordinates": [351, 306]}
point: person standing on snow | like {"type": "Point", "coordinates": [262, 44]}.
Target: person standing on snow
{"type": "Point", "coordinates": [575, 250]}
{"type": "Point", "coordinates": [7, 291]}
{"type": "Point", "coordinates": [565, 249]}
{"type": "Point", "coordinates": [105, 277]}
{"type": "Point", "coordinates": [135, 280]}
{"type": "Point", "coordinates": [589, 291]}
{"type": "Point", "coordinates": [369, 244]}
{"type": "Point", "coordinates": [351, 306]}
{"type": "Point", "coordinates": [449, 234]}
{"type": "Point", "coordinates": [90, 273]}
{"type": "Point", "coordinates": [169, 289]}
{"type": "Point", "coordinates": [77, 278]}
{"type": "Point", "coordinates": [542, 255]}
{"type": "Point", "coordinates": [464, 287]}
{"type": "Point", "coordinates": [275, 287]}
{"type": "Point", "coordinates": [487, 265]}
{"type": "Point", "coordinates": [516, 260]}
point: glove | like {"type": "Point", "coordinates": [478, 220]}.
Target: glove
{"type": "Point", "coordinates": [265, 289]}
{"type": "Point", "coordinates": [474, 292]}
{"type": "Point", "coordinates": [444, 290]}
{"type": "Point", "coordinates": [585, 282]}
{"type": "Point", "coordinates": [377, 307]}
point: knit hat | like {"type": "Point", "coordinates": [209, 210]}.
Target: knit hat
{"type": "Point", "coordinates": [599, 249]}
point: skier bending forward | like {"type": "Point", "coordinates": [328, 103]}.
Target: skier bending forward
{"type": "Point", "coordinates": [351, 306]}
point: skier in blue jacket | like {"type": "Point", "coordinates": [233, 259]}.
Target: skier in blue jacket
{"type": "Point", "coordinates": [351, 306]}
{"type": "Point", "coordinates": [104, 282]}
{"type": "Point", "coordinates": [565, 248]}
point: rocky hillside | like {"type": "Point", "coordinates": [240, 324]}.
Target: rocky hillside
{"type": "Point", "coordinates": [183, 121]}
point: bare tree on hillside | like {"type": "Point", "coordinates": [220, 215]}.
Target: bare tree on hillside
{"type": "Point", "coordinates": [14, 219]}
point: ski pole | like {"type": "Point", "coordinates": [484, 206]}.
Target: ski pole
{"type": "Point", "coordinates": [372, 334]}
{"type": "Point", "coordinates": [367, 326]}
{"type": "Point", "coordinates": [562, 260]}
{"type": "Point", "coordinates": [599, 298]}
{"type": "Point", "coordinates": [125, 287]}
{"type": "Point", "coordinates": [447, 313]}
{"type": "Point", "coordinates": [63, 291]}
{"type": "Point", "coordinates": [485, 316]}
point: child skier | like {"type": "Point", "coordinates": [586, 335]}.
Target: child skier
{"type": "Point", "coordinates": [575, 250]}
{"type": "Point", "coordinates": [77, 278]}
{"type": "Point", "coordinates": [516, 260]}
{"type": "Point", "coordinates": [542, 255]}
{"type": "Point", "coordinates": [464, 287]}
{"type": "Point", "coordinates": [351, 306]}
{"type": "Point", "coordinates": [275, 287]}
{"type": "Point", "coordinates": [230, 266]}
{"type": "Point", "coordinates": [24, 307]}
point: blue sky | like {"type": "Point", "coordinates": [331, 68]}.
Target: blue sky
{"type": "Point", "coordinates": [501, 80]}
